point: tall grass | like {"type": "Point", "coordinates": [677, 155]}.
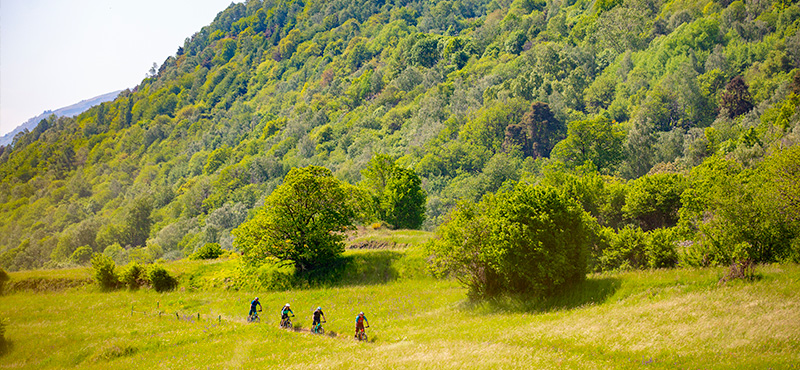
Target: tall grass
{"type": "Point", "coordinates": [395, 238]}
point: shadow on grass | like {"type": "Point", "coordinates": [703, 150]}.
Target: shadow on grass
{"type": "Point", "coordinates": [375, 267]}
{"type": "Point", "coordinates": [589, 292]}
{"type": "Point", "coordinates": [5, 347]}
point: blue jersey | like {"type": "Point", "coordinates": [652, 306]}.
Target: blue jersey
{"type": "Point", "coordinates": [360, 319]}
{"type": "Point", "coordinates": [253, 305]}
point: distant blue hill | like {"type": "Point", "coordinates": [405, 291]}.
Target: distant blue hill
{"type": "Point", "coordinates": [68, 111]}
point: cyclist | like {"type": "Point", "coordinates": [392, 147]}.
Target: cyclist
{"type": "Point", "coordinates": [285, 311]}
{"type": "Point", "coordinates": [360, 320]}
{"type": "Point", "coordinates": [316, 317]}
{"type": "Point", "coordinates": [253, 305]}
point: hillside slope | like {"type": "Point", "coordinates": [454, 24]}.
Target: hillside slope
{"type": "Point", "coordinates": [469, 94]}
{"type": "Point", "coordinates": [68, 111]}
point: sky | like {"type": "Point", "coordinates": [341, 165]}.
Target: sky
{"type": "Point", "coordinates": [55, 53]}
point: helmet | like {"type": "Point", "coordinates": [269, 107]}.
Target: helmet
{"type": "Point", "coordinates": [319, 308]}
{"type": "Point", "coordinates": [361, 313]}
{"type": "Point", "coordinates": [256, 298]}
{"type": "Point", "coordinates": [287, 305]}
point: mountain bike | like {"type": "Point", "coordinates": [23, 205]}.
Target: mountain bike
{"type": "Point", "coordinates": [318, 329]}
{"type": "Point", "coordinates": [362, 335]}
{"type": "Point", "coordinates": [287, 322]}
{"type": "Point", "coordinates": [254, 317]}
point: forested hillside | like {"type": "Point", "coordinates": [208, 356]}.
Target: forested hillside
{"type": "Point", "coordinates": [70, 110]}
{"type": "Point", "coordinates": [673, 123]}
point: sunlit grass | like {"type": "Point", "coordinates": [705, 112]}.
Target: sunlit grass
{"type": "Point", "coordinates": [656, 319]}
{"type": "Point", "coordinates": [391, 238]}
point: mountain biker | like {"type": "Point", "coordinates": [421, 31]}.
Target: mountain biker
{"type": "Point", "coordinates": [316, 317]}
{"type": "Point", "coordinates": [285, 311]}
{"type": "Point", "coordinates": [253, 305]}
{"type": "Point", "coordinates": [360, 320]}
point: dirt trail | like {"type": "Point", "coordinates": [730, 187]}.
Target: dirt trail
{"type": "Point", "coordinates": [331, 334]}
{"type": "Point", "coordinates": [300, 329]}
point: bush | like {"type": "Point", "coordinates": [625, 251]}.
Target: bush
{"type": "Point", "coordinates": [626, 250]}
{"type": "Point", "coordinates": [160, 279]}
{"type": "Point", "coordinates": [728, 204]}
{"type": "Point", "coordinates": [742, 267]}
{"type": "Point", "coordinates": [209, 251]}
{"type": "Point", "coordinates": [103, 267]}
{"type": "Point", "coordinates": [530, 240]}
{"type": "Point", "coordinates": [792, 255]}
{"type": "Point", "coordinates": [632, 248]}
{"type": "Point", "coordinates": [276, 276]}
{"type": "Point", "coordinates": [134, 276]}
{"type": "Point", "coordinates": [661, 248]}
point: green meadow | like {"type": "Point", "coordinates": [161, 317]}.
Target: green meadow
{"type": "Point", "coordinates": [678, 318]}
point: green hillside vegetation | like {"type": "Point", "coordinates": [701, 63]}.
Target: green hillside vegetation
{"type": "Point", "coordinates": [673, 123]}
{"type": "Point", "coordinates": [663, 319]}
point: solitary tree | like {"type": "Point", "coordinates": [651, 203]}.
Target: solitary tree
{"type": "Point", "coordinates": [736, 98]}
{"type": "Point", "coordinates": [598, 140]}
{"type": "Point", "coordinates": [537, 132]}
{"type": "Point", "coordinates": [396, 192]}
{"type": "Point", "coordinates": [302, 221]}
{"type": "Point", "coordinates": [138, 221]}
{"type": "Point", "coordinates": [404, 200]}
{"type": "Point", "coordinates": [377, 173]}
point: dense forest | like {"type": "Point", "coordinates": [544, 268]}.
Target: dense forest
{"type": "Point", "coordinates": [674, 124]}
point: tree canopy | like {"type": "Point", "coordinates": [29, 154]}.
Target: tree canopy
{"type": "Point", "coordinates": [302, 221]}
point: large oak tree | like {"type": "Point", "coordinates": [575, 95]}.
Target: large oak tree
{"type": "Point", "coordinates": [302, 221]}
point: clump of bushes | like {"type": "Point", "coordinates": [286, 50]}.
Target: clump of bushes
{"type": "Point", "coordinates": [633, 248]}
{"type": "Point", "coordinates": [103, 267]}
{"type": "Point", "coordinates": [160, 279]}
{"type": "Point", "coordinates": [134, 276]}
{"type": "Point", "coordinates": [209, 251]}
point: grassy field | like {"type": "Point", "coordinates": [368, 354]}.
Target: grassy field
{"type": "Point", "coordinates": [662, 319]}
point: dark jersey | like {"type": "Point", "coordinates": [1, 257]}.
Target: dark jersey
{"type": "Point", "coordinates": [317, 315]}
{"type": "Point", "coordinates": [253, 305]}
